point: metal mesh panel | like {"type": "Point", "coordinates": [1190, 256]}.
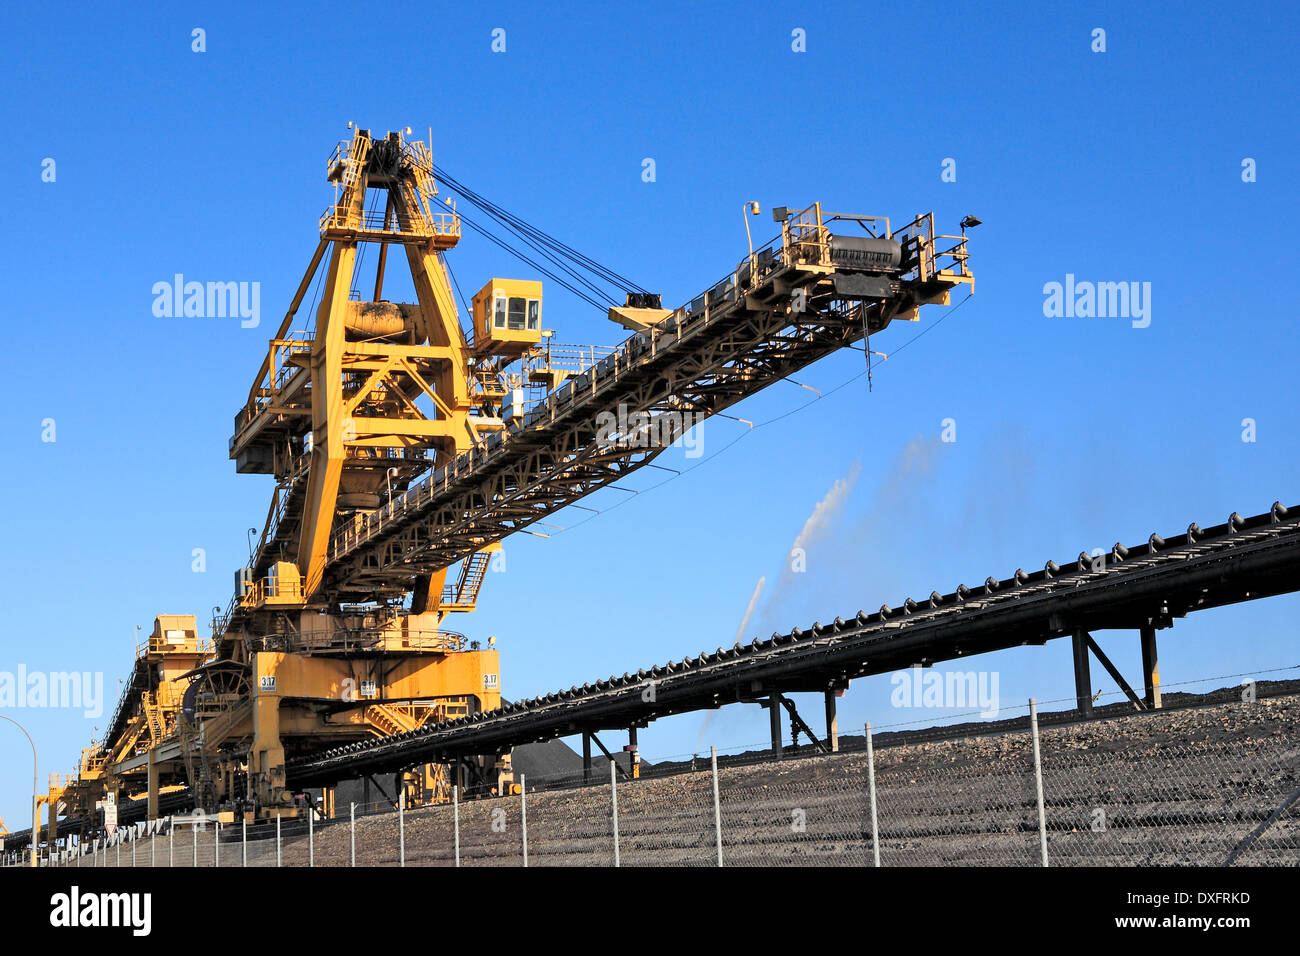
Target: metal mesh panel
{"type": "Point", "coordinates": [821, 818]}
{"type": "Point", "coordinates": [570, 825]}
{"type": "Point", "coordinates": [668, 821]}
{"type": "Point", "coordinates": [1186, 804]}
{"type": "Point", "coordinates": [490, 833]}
{"type": "Point", "coordinates": [955, 804]}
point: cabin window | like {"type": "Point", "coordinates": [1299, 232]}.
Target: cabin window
{"type": "Point", "coordinates": [515, 320]}
{"type": "Point", "coordinates": [534, 315]}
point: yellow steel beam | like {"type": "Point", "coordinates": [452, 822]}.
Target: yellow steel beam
{"type": "Point", "coordinates": [288, 316]}
{"type": "Point", "coordinates": [327, 452]}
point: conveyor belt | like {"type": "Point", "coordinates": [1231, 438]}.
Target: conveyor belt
{"type": "Point", "coordinates": [1149, 584]}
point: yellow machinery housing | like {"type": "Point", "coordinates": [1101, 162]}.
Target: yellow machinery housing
{"type": "Point", "coordinates": [507, 317]}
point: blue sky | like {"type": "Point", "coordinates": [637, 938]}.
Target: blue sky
{"type": "Point", "coordinates": [1071, 433]}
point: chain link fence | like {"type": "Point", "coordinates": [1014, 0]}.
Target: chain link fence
{"type": "Point", "coordinates": [1187, 804]}
{"type": "Point", "coordinates": [1088, 794]}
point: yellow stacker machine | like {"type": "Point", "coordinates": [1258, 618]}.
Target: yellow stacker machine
{"type": "Point", "coordinates": [343, 414]}
{"type": "Point", "coordinates": [328, 640]}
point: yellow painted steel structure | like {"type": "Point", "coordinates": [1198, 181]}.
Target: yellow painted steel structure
{"type": "Point", "coordinates": [342, 414]}
{"type": "Point", "coordinates": [148, 716]}
{"type": "Point", "coordinates": [346, 415]}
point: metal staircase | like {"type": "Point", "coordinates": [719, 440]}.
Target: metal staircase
{"type": "Point", "coordinates": [463, 595]}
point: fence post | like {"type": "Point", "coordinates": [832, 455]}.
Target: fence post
{"type": "Point", "coordinates": [613, 796]}
{"type": "Point", "coordinates": [717, 806]}
{"type": "Point", "coordinates": [523, 812]}
{"type": "Point", "coordinates": [171, 842]}
{"type": "Point", "coordinates": [277, 839]}
{"type": "Point", "coordinates": [401, 828]}
{"type": "Point", "coordinates": [352, 827]}
{"type": "Point", "coordinates": [455, 818]}
{"type": "Point", "coordinates": [311, 835]}
{"type": "Point", "coordinates": [118, 855]}
{"type": "Point", "coordinates": [243, 842]}
{"type": "Point", "coordinates": [1038, 778]}
{"type": "Point", "coordinates": [216, 845]}
{"type": "Point", "coordinates": [194, 832]}
{"type": "Point", "coordinates": [153, 849]}
{"type": "Point", "coordinates": [133, 854]}
{"type": "Point", "coordinates": [871, 786]}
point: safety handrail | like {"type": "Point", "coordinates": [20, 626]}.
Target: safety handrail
{"type": "Point", "coordinates": [345, 216]}
{"type": "Point", "coordinates": [416, 639]}
{"type": "Point", "coordinates": [271, 586]}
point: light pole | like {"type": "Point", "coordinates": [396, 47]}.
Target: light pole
{"type": "Point", "coordinates": [547, 334]}
{"type": "Point", "coordinates": [753, 210]}
{"type": "Point", "coordinates": [36, 809]}
{"type": "Point", "coordinates": [388, 476]}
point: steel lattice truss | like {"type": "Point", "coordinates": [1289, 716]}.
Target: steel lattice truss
{"type": "Point", "coordinates": [698, 364]}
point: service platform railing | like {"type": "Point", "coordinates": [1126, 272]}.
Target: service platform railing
{"type": "Point", "coordinates": [377, 639]}
{"type": "Point", "coordinates": [271, 588]}
{"type": "Point", "coordinates": [160, 645]}
{"type": "Point", "coordinates": [344, 217]}
{"type": "Point", "coordinates": [935, 256]}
